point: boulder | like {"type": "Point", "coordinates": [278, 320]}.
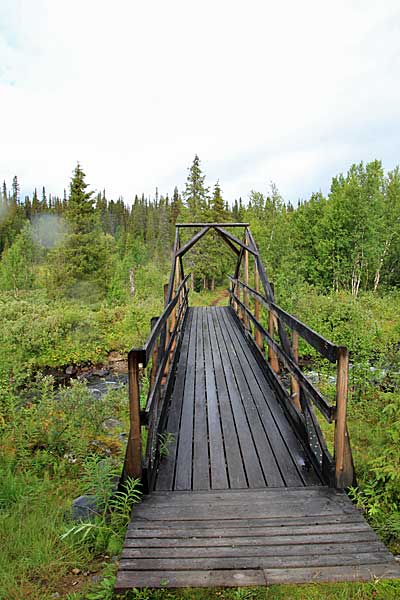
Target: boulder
{"type": "Point", "coordinates": [85, 508]}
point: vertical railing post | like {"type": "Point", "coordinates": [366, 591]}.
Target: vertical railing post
{"type": "Point", "coordinates": [273, 359]}
{"type": "Point", "coordinates": [258, 336]}
{"type": "Point", "coordinates": [133, 465]}
{"type": "Point", "coordinates": [344, 469]}
{"type": "Point", "coordinates": [294, 384]}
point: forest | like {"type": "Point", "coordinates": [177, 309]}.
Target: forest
{"type": "Point", "coordinates": [80, 278]}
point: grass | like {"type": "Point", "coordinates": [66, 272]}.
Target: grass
{"type": "Point", "coordinates": [42, 436]}
{"type": "Point", "coordinates": [376, 590]}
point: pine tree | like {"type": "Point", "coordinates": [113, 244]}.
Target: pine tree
{"type": "Point", "coordinates": [176, 206]}
{"type": "Point", "coordinates": [15, 190]}
{"type": "Point", "coordinates": [196, 194]}
{"type": "Point", "coordinates": [83, 257]}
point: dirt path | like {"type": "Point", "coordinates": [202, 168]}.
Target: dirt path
{"type": "Point", "coordinates": [220, 297]}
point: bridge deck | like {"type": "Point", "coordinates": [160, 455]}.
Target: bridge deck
{"type": "Point", "coordinates": [237, 502]}
{"type": "Point", "coordinates": [229, 429]}
{"type": "Point", "coordinates": [250, 537]}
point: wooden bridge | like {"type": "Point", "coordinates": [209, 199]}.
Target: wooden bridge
{"type": "Point", "coordinates": [240, 486]}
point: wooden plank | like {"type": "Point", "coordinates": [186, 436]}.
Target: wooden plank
{"type": "Point", "coordinates": [234, 461]}
{"type": "Point", "coordinates": [250, 458]}
{"type": "Point", "coordinates": [183, 469]}
{"type": "Point", "coordinates": [211, 533]}
{"type": "Point", "coordinates": [318, 518]}
{"type": "Point", "coordinates": [253, 511]}
{"type": "Point", "coordinates": [200, 478]}
{"type": "Point", "coordinates": [332, 574]}
{"type": "Point", "coordinates": [252, 562]}
{"type": "Point", "coordinates": [127, 580]}
{"type": "Point", "coordinates": [267, 495]}
{"type": "Point", "coordinates": [262, 397]}
{"type": "Point", "coordinates": [277, 540]}
{"type": "Point", "coordinates": [293, 461]}
{"type": "Point", "coordinates": [218, 474]}
{"type": "Point", "coordinates": [265, 551]}
{"type": "Point", "coordinates": [166, 472]}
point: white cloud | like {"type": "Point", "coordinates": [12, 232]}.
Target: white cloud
{"type": "Point", "coordinates": [260, 90]}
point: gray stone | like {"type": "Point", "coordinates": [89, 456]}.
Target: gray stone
{"type": "Point", "coordinates": [100, 372]}
{"type": "Point", "coordinates": [85, 508]}
{"type": "Point", "coordinates": [111, 423]}
{"type": "Point", "coordinates": [71, 370]}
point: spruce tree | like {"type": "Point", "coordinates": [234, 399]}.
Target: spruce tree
{"type": "Point", "coordinates": [83, 256]}
{"type": "Point", "coordinates": [196, 194]}
{"type": "Point", "coordinates": [15, 190]}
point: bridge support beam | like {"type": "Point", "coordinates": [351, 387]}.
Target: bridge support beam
{"type": "Point", "coordinates": [344, 468]}
{"type": "Point", "coordinates": [133, 463]}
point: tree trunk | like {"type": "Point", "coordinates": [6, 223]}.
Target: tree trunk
{"type": "Point", "coordinates": [132, 282]}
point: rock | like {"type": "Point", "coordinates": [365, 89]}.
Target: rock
{"type": "Point", "coordinates": [76, 571]}
{"type": "Point", "coordinates": [101, 446]}
{"type": "Point", "coordinates": [56, 595]}
{"type": "Point", "coordinates": [84, 508]}
{"type": "Point", "coordinates": [100, 372]}
{"type": "Point", "coordinates": [71, 370]}
{"type": "Point", "coordinates": [111, 424]}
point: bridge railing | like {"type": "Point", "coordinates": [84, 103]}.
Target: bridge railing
{"type": "Point", "coordinates": [339, 470]}
{"type": "Point", "coordinates": [147, 420]}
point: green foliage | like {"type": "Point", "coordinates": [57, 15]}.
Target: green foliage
{"type": "Point", "coordinates": [17, 263]}
{"type": "Point", "coordinates": [106, 532]}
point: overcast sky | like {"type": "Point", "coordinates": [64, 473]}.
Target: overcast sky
{"type": "Point", "coordinates": [288, 91]}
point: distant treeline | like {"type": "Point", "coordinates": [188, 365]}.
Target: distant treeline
{"type": "Point", "coordinates": [348, 240]}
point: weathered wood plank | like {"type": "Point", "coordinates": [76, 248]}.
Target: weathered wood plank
{"type": "Point", "coordinates": [234, 461]}
{"type": "Point", "coordinates": [272, 416]}
{"type": "Point", "coordinates": [332, 574]}
{"type": "Point", "coordinates": [253, 511]}
{"type": "Point", "coordinates": [143, 535]}
{"type": "Point", "coordinates": [267, 504]}
{"type": "Point", "coordinates": [250, 458]}
{"type": "Point", "coordinates": [219, 478]}
{"type": "Point", "coordinates": [269, 462]}
{"type": "Point", "coordinates": [243, 495]}
{"type": "Point", "coordinates": [127, 580]}
{"type": "Point", "coordinates": [316, 518]}
{"type": "Point", "coordinates": [165, 479]}
{"type": "Point", "coordinates": [353, 537]}
{"type": "Point", "coordinates": [255, 562]}
{"type": "Point", "coordinates": [274, 550]}
{"type": "Point", "coordinates": [294, 464]}
{"type": "Point", "coordinates": [200, 478]}
{"type": "Point", "coordinates": [183, 470]}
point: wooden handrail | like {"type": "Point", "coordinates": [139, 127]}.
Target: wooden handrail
{"type": "Point", "coordinates": [318, 399]}
{"type": "Point", "coordinates": [317, 341]}
{"type": "Point", "coordinates": [161, 321]}
{"type": "Point", "coordinates": [337, 471]}
{"type": "Point", "coordinates": [162, 363]}
{"type": "Point", "coordinates": [212, 225]}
